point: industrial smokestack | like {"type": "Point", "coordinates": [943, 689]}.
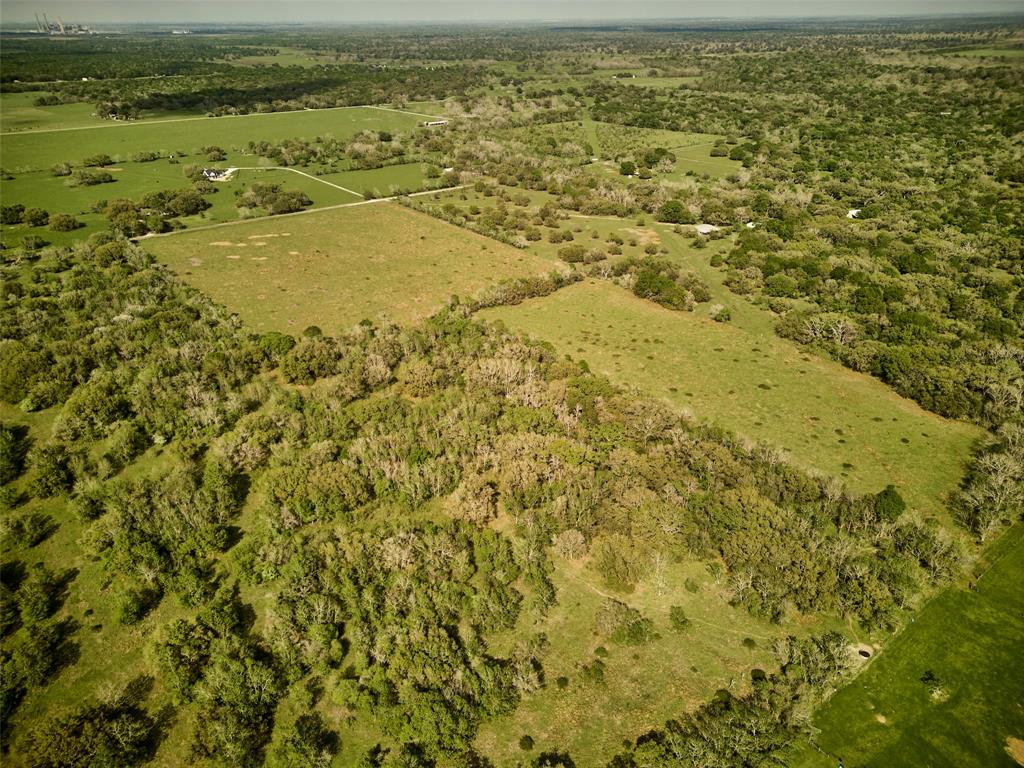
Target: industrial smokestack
{"type": "Point", "coordinates": [60, 23]}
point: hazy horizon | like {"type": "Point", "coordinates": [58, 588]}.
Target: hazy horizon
{"type": "Point", "coordinates": [477, 11]}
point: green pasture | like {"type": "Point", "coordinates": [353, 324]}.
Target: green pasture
{"type": "Point", "coordinates": [644, 81]}
{"type": "Point", "coordinates": [644, 685]}
{"type": "Point", "coordinates": [382, 182]}
{"type": "Point", "coordinates": [286, 57]}
{"type": "Point", "coordinates": [40, 150]}
{"type": "Point", "coordinates": [988, 52]}
{"type": "Point", "coordinates": [964, 713]}
{"type": "Point", "coordinates": [19, 113]}
{"type": "Point", "coordinates": [745, 378]}
{"type": "Point", "coordinates": [335, 268]}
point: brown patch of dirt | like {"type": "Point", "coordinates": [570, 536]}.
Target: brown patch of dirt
{"type": "Point", "coordinates": [645, 236]}
{"type": "Point", "coordinates": [1015, 749]}
{"type": "Point", "coordinates": [262, 237]}
{"type": "Point", "coordinates": [232, 256]}
{"type": "Point", "coordinates": [882, 719]}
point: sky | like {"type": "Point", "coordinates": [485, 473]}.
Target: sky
{"type": "Point", "coordinates": [413, 11]}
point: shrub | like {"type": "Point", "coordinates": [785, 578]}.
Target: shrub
{"type": "Point", "coordinates": [61, 169]}
{"type": "Point", "coordinates": [572, 254]}
{"type": "Point", "coordinates": [623, 624]}
{"type": "Point", "coordinates": [678, 619]}
{"type": "Point", "coordinates": [35, 217]}
{"type": "Point", "coordinates": [98, 160]}
{"type": "Point", "coordinates": [889, 504]}
{"type": "Point", "coordinates": [11, 214]}
{"type": "Point", "coordinates": [89, 178]}
{"type": "Point", "coordinates": [64, 222]}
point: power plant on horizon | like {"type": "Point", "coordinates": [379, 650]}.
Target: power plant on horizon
{"type": "Point", "coordinates": [47, 27]}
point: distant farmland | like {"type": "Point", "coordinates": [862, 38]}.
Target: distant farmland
{"type": "Point", "coordinates": [335, 268]}
{"type": "Point", "coordinates": [34, 150]}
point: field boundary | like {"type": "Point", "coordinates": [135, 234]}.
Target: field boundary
{"type": "Point", "coordinates": [218, 225]}
{"type": "Point", "coordinates": [230, 171]}
{"type": "Point", "coordinates": [128, 124]}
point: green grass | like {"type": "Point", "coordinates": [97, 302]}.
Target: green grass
{"type": "Point", "coordinates": [1006, 53]}
{"type": "Point", "coordinates": [40, 150]}
{"type": "Point", "coordinates": [335, 268]}
{"type": "Point", "coordinates": [643, 81]}
{"type": "Point", "coordinates": [19, 113]}
{"type": "Point", "coordinates": [971, 641]}
{"type": "Point", "coordinates": [745, 378]}
{"type": "Point", "coordinates": [645, 685]}
{"type": "Point", "coordinates": [382, 182]}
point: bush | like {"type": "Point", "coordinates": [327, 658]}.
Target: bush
{"type": "Point", "coordinates": [11, 214]}
{"type": "Point", "coordinates": [572, 254]}
{"type": "Point", "coordinates": [89, 178]}
{"type": "Point", "coordinates": [678, 619]}
{"type": "Point", "coordinates": [889, 504]}
{"type": "Point", "coordinates": [624, 624]}
{"type": "Point", "coordinates": [35, 217]}
{"type": "Point", "coordinates": [134, 604]}
{"type": "Point", "coordinates": [526, 743]}
{"type": "Point", "coordinates": [51, 469]}
{"type": "Point", "coordinates": [98, 160]}
{"type": "Point", "coordinates": [61, 169]}
{"type": "Point", "coordinates": [64, 222]}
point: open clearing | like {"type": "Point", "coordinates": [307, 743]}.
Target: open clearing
{"type": "Point", "coordinates": [745, 378]}
{"type": "Point", "coordinates": [41, 149]}
{"type": "Point", "coordinates": [335, 268]}
{"type": "Point", "coordinates": [644, 685]}
{"type": "Point", "coordinates": [970, 640]}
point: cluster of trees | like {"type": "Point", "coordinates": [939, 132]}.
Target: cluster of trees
{"type": "Point", "coordinates": [273, 198]}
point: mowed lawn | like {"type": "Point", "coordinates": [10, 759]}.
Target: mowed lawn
{"type": "Point", "coordinates": [36, 150]}
{"type": "Point", "coordinates": [971, 642]}
{"type": "Point", "coordinates": [743, 377]}
{"type": "Point", "coordinates": [334, 268]}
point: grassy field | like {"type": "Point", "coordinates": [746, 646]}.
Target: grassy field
{"type": "Point", "coordinates": [334, 268]}
{"type": "Point", "coordinates": [39, 150]}
{"type": "Point", "coordinates": [742, 376]}
{"type": "Point", "coordinates": [1005, 53]}
{"type": "Point", "coordinates": [970, 640]}
{"type": "Point", "coordinates": [19, 113]}
{"type": "Point", "coordinates": [133, 180]}
{"type": "Point", "coordinates": [644, 685]}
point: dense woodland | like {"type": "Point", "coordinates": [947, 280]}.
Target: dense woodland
{"type": "Point", "coordinates": [394, 495]}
